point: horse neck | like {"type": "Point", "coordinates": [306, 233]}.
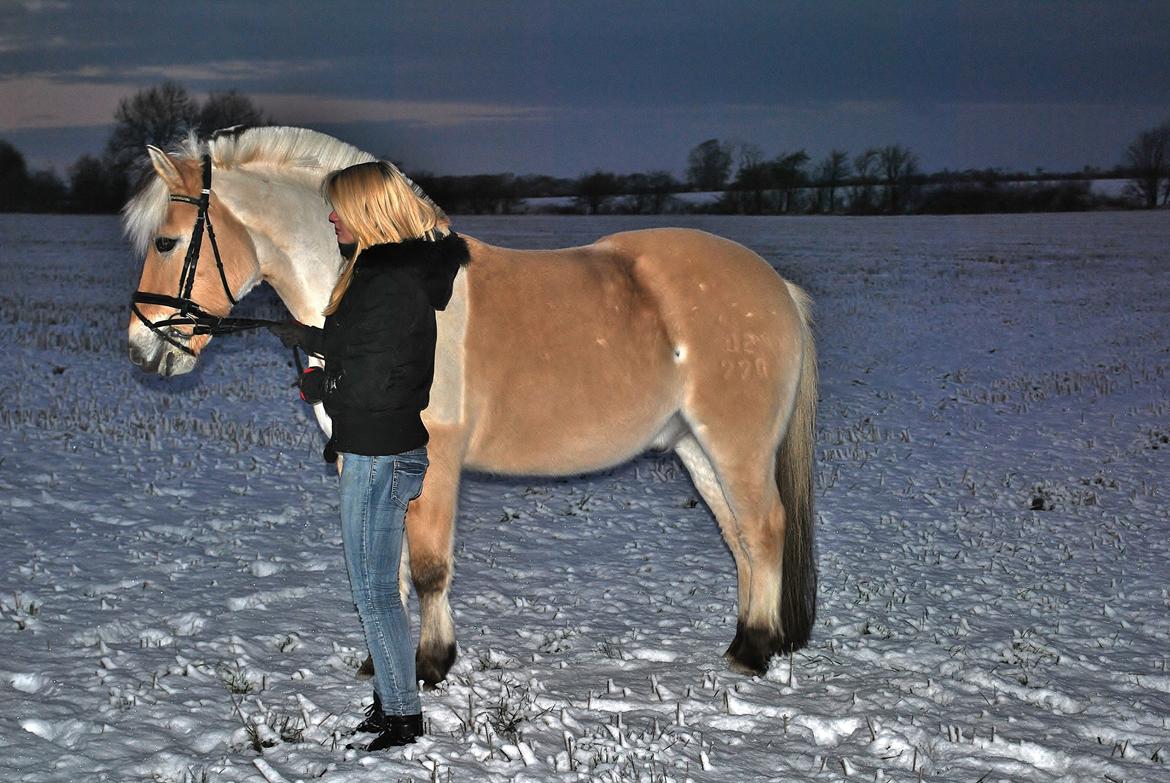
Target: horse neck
{"type": "Point", "coordinates": [296, 248]}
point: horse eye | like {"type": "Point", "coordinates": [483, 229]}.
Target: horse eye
{"type": "Point", "coordinates": [165, 244]}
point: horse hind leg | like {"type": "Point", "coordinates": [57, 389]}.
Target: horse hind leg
{"type": "Point", "coordinates": [436, 640]}
{"type": "Point", "coordinates": [745, 500]}
{"type": "Point", "coordinates": [706, 481]}
{"type": "Point", "coordinates": [759, 632]}
{"type": "Point", "coordinates": [427, 561]}
{"type": "Point", "coordinates": [366, 670]}
{"type": "Point", "coordinates": [430, 529]}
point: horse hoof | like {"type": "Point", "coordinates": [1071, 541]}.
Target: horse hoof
{"type": "Point", "coordinates": [732, 651]}
{"type": "Point", "coordinates": [432, 664]}
{"type": "Point", "coordinates": [366, 670]}
{"type": "Point", "coordinates": [751, 649]}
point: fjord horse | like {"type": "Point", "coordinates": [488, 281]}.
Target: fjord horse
{"type": "Point", "coordinates": [549, 362]}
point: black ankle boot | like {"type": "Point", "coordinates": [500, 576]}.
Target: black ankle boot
{"type": "Point", "coordinates": [397, 730]}
{"type": "Point", "coordinates": [374, 717]}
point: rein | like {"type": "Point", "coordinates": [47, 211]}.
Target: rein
{"type": "Point", "coordinates": [189, 311]}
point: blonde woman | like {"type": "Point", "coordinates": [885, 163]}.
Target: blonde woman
{"type": "Point", "coordinates": [378, 343]}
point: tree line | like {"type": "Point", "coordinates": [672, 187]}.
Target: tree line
{"type": "Point", "coordinates": [739, 179]}
{"type": "Point", "coordinates": [732, 178]}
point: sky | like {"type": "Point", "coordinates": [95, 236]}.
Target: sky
{"type": "Point", "coordinates": [565, 88]}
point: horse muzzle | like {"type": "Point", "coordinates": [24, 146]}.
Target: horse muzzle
{"type": "Point", "coordinates": [153, 354]}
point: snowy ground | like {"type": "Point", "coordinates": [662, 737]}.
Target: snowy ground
{"type": "Point", "coordinates": [992, 502]}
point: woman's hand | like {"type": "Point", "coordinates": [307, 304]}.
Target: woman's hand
{"type": "Point", "coordinates": [292, 333]}
{"type": "Point", "coordinates": [312, 385]}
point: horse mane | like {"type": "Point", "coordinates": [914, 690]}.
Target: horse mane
{"type": "Point", "coordinates": [296, 150]}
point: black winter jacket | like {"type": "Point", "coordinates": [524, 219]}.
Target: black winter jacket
{"type": "Point", "coordinates": [379, 346]}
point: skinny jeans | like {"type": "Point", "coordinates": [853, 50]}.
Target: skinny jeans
{"type": "Point", "coordinates": [375, 491]}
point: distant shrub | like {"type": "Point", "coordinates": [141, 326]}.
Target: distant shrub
{"type": "Point", "coordinates": [980, 198]}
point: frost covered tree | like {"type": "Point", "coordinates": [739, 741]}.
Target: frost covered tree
{"type": "Point", "coordinates": [1148, 158]}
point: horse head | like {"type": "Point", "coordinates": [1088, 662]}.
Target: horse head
{"type": "Point", "coordinates": [163, 220]}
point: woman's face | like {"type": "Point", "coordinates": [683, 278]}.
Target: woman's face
{"type": "Point", "coordinates": [344, 237]}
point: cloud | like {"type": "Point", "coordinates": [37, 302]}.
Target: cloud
{"type": "Point", "coordinates": [44, 101]}
{"type": "Point", "coordinates": [37, 6]}
{"type": "Point", "coordinates": [221, 70]}
{"type": "Point", "coordinates": [38, 102]}
{"type": "Point", "coordinates": [11, 44]}
{"type": "Point", "coordinates": [295, 109]}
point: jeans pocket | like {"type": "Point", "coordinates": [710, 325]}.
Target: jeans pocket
{"type": "Point", "coordinates": [409, 470]}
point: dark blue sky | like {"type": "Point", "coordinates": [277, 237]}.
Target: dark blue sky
{"type": "Point", "coordinates": [566, 87]}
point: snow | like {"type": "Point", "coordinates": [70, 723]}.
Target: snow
{"type": "Point", "coordinates": [993, 539]}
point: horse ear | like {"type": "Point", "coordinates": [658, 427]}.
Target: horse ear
{"type": "Point", "coordinates": [165, 166]}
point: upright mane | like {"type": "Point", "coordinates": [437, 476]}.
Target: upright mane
{"type": "Point", "coordinates": [297, 150]}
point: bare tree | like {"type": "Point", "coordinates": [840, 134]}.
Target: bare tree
{"type": "Point", "coordinates": [225, 109]}
{"type": "Point", "coordinates": [753, 178]}
{"type": "Point", "coordinates": [492, 194]}
{"type": "Point", "coordinates": [788, 174]}
{"type": "Point", "coordinates": [13, 177]}
{"type": "Point", "coordinates": [748, 155]}
{"type": "Point", "coordinates": [158, 115]}
{"type": "Point", "coordinates": [1148, 158]}
{"type": "Point", "coordinates": [46, 192]}
{"type": "Point", "coordinates": [830, 173]}
{"type": "Point", "coordinates": [662, 187]}
{"type": "Point", "coordinates": [709, 165]}
{"type": "Point", "coordinates": [862, 197]}
{"type": "Point", "coordinates": [22, 190]}
{"type": "Point", "coordinates": [898, 166]}
{"type": "Point", "coordinates": [650, 192]}
{"type": "Point", "coordinates": [595, 189]}
{"type": "Point", "coordinates": [95, 186]}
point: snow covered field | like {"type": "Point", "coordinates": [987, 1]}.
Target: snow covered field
{"type": "Point", "coordinates": [993, 474]}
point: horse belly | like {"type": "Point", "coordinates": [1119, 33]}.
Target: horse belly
{"type": "Point", "coordinates": [574, 384]}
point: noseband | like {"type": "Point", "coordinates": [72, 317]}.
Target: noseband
{"type": "Point", "coordinates": [189, 312]}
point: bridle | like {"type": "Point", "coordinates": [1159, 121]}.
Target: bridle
{"type": "Point", "coordinates": [189, 311]}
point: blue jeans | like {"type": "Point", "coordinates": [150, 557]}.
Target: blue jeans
{"type": "Point", "coordinates": [374, 495]}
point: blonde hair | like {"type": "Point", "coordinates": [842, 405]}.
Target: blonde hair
{"type": "Point", "coordinates": [378, 205]}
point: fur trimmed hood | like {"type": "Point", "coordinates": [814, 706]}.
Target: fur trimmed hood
{"type": "Point", "coordinates": [436, 261]}
{"type": "Point", "coordinates": [449, 249]}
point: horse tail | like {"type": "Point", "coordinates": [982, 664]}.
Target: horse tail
{"type": "Point", "coordinates": [794, 480]}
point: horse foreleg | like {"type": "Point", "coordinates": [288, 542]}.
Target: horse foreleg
{"type": "Point", "coordinates": [430, 529]}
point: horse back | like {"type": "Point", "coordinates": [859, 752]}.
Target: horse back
{"type": "Point", "coordinates": [580, 358]}
{"type": "Point", "coordinates": [569, 362]}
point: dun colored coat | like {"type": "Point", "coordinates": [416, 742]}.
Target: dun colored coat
{"type": "Point", "coordinates": [549, 362]}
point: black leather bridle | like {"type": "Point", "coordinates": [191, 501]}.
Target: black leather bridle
{"type": "Point", "coordinates": [189, 312]}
